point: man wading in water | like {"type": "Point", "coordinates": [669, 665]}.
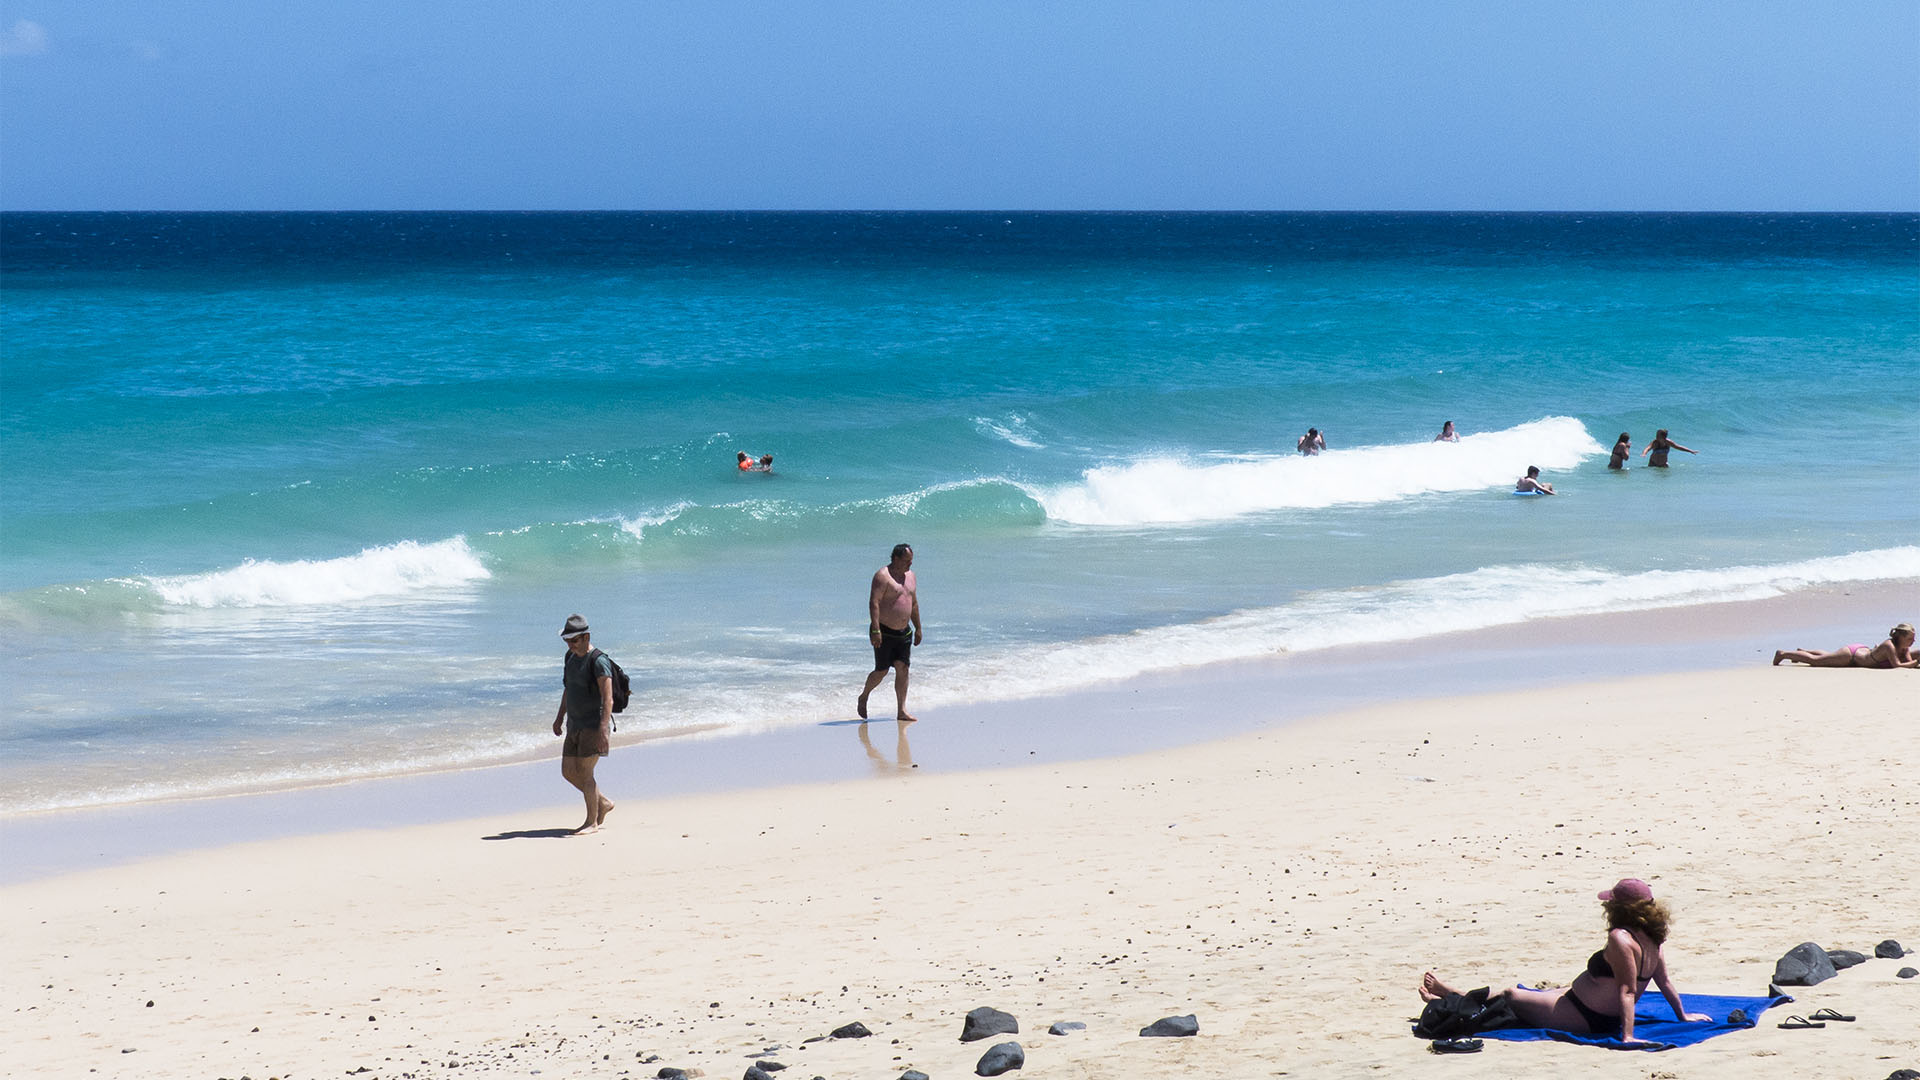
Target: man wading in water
{"type": "Point", "coordinates": [893, 627]}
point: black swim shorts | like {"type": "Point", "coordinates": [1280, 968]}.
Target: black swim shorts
{"type": "Point", "coordinates": [896, 646]}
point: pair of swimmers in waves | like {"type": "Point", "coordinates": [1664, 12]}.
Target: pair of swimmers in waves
{"type": "Point", "coordinates": [745, 463]}
{"type": "Point", "coordinates": [1315, 441]}
{"type": "Point", "coordinates": [1655, 452]}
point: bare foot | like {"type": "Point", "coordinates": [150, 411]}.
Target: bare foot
{"type": "Point", "coordinates": [860, 706]}
{"type": "Point", "coordinates": [907, 718]}
{"type": "Point", "coordinates": [1432, 989]}
{"type": "Point", "coordinates": [584, 829]}
{"type": "Point", "coordinates": [1778, 655]}
{"type": "Point", "coordinates": [606, 807]}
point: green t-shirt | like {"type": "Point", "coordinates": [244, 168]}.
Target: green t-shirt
{"type": "Point", "coordinates": [582, 675]}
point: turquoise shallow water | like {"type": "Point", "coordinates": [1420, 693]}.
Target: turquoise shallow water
{"type": "Point", "coordinates": [295, 497]}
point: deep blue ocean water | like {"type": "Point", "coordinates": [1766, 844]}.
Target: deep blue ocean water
{"type": "Point", "coordinates": [293, 497]}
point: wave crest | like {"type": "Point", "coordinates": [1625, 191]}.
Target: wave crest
{"type": "Point", "coordinates": [375, 573]}
{"type": "Point", "coordinates": [1164, 490]}
{"type": "Point", "coordinates": [1411, 610]}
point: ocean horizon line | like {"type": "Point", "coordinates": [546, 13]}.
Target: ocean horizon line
{"type": "Point", "coordinates": [961, 211]}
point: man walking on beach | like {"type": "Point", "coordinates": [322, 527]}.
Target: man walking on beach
{"type": "Point", "coordinates": [893, 627]}
{"type": "Point", "coordinates": [586, 708]}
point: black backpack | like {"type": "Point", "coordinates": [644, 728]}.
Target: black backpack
{"type": "Point", "coordinates": [1456, 1015]}
{"type": "Point", "coordinates": [622, 686]}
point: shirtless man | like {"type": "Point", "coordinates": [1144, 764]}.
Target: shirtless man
{"type": "Point", "coordinates": [1311, 443]}
{"type": "Point", "coordinates": [1532, 482]}
{"type": "Point", "coordinates": [893, 627]}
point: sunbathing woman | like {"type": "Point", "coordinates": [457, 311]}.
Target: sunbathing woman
{"type": "Point", "coordinates": [1896, 651]}
{"type": "Point", "coordinates": [1602, 998]}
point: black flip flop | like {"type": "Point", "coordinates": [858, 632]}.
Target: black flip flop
{"type": "Point", "coordinates": [1456, 1046]}
{"type": "Point", "coordinates": [1829, 1014]}
{"type": "Point", "coordinates": [1797, 1023]}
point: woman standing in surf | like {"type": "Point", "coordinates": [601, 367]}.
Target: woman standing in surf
{"type": "Point", "coordinates": [1659, 447]}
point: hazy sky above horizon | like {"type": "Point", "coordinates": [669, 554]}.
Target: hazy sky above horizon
{"type": "Point", "coordinates": [867, 104]}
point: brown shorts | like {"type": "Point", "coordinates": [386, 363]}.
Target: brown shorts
{"type": "Point", "coordinates": [582, 742]}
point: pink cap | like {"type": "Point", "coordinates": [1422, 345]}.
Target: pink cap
{"type": "Point", "coordinates": [1629, 888]}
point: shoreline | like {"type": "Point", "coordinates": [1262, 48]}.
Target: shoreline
{"type": "Point", "coordinates": [1147, 713]}
{"type": "Point", "coordinates": [1286, 885]}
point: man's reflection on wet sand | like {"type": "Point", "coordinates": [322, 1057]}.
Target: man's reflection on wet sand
{"type": "Point", "coordinates": [902, 753]}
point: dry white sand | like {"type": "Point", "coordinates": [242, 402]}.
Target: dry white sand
{"type": "Point", "coordinates": [1287, 887]}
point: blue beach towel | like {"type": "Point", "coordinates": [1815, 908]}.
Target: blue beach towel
{"type": "Point", "coordinates": [1655, 1023]}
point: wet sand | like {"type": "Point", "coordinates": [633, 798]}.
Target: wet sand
{"type": "Point", "coordinates": [1286, 884]}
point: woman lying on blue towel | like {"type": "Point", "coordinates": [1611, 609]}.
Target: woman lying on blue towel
{"type": "Point", "coordinates": [1602, 998]}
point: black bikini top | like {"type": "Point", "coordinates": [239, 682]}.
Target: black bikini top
{"type": "Point", "coordinates": [1598, 967]}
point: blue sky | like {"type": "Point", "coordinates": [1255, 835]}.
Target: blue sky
{"type": "Point", "coordinates": [843, 104]}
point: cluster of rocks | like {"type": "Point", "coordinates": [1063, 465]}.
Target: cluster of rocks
{"type": "Point", "coordinates": [1807, 964]}
{"type": "Point", "coordinates": [1005, 1057]}
{"type": "Point", "coordinates": [981, 1023]}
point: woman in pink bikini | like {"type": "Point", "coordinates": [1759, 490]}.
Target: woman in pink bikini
{"type": "Point", "coordinates": [1602, 998]}
{"type": "Point", "coordinates": [1895, 652]}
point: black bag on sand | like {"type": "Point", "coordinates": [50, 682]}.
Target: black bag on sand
{"type": "Point", "coordinates": [1458, 1015]}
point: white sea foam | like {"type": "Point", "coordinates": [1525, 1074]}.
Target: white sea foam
{"type": "Point", "coordinates": [1012, 428]}
{"type": "Point", "coordinates": [375, 573]}
{"type": "Point", "coordinates": [909, 501]}
{"type": "Point", "coordinates": [638, 525]}
{"type": "Point", "coordinates": [1405, 611]}
{"type": "Point", "coordinates": [1165, 490]}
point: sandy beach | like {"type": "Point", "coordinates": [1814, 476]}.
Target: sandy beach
{"type": "Point", "coordinates": [1287, 886]}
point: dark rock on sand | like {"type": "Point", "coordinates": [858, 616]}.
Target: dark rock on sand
{"type": "Point", "coordinates": [1066, 1027]}
{"type": "Point", "coordinates": [984, 1021]}
{"type": "Point", "coordinates": [914, 1074]}
{"type": "Point", "coordinates": [669, 1073]}
{"type": "Point", "coordinates": [1003, 1057]}
{"type": "Point", "coordinates": [1804, 965]}
{"type": "Point", "coordinates": [1906, 973]}
{"type": "Point", "coordinates": [855, 1030]}
{"type": "Point", "coordinates": [1171, 1027]}
{"type": "Point", "coordinates": [1903, 1074]}
{"type": "Point", "coordinates": [1845, 958]}
{"type": "Point", "coordinates": [755, 1072]}
{"type": "Point", "coordinates": [1889, 950]}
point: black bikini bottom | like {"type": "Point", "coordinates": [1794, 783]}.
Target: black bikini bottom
{"type": "Point", "coordinates": [1598, 1023]}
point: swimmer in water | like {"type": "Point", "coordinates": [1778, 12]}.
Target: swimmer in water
{"type": "Point", "coordinates": [743, 462]}
{"type": "Point", "coordinates": [766, 463]}
{"type": "Point", "coordinates": [1532, 482]}
{"type": "Point", "coordinates": [1659, 447]}
{"type": "Point", "coordinates": [1447, 434]}
{"type": "Point", "coordinates": [1895, 652]}
{"type": "Point", "coordinates": [1621, 451]}
{"type": "Point", "coordinates": [1311, 443]}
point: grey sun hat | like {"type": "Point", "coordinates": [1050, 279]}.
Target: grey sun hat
{"type": "Point", "coordinates": [576, 625]}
